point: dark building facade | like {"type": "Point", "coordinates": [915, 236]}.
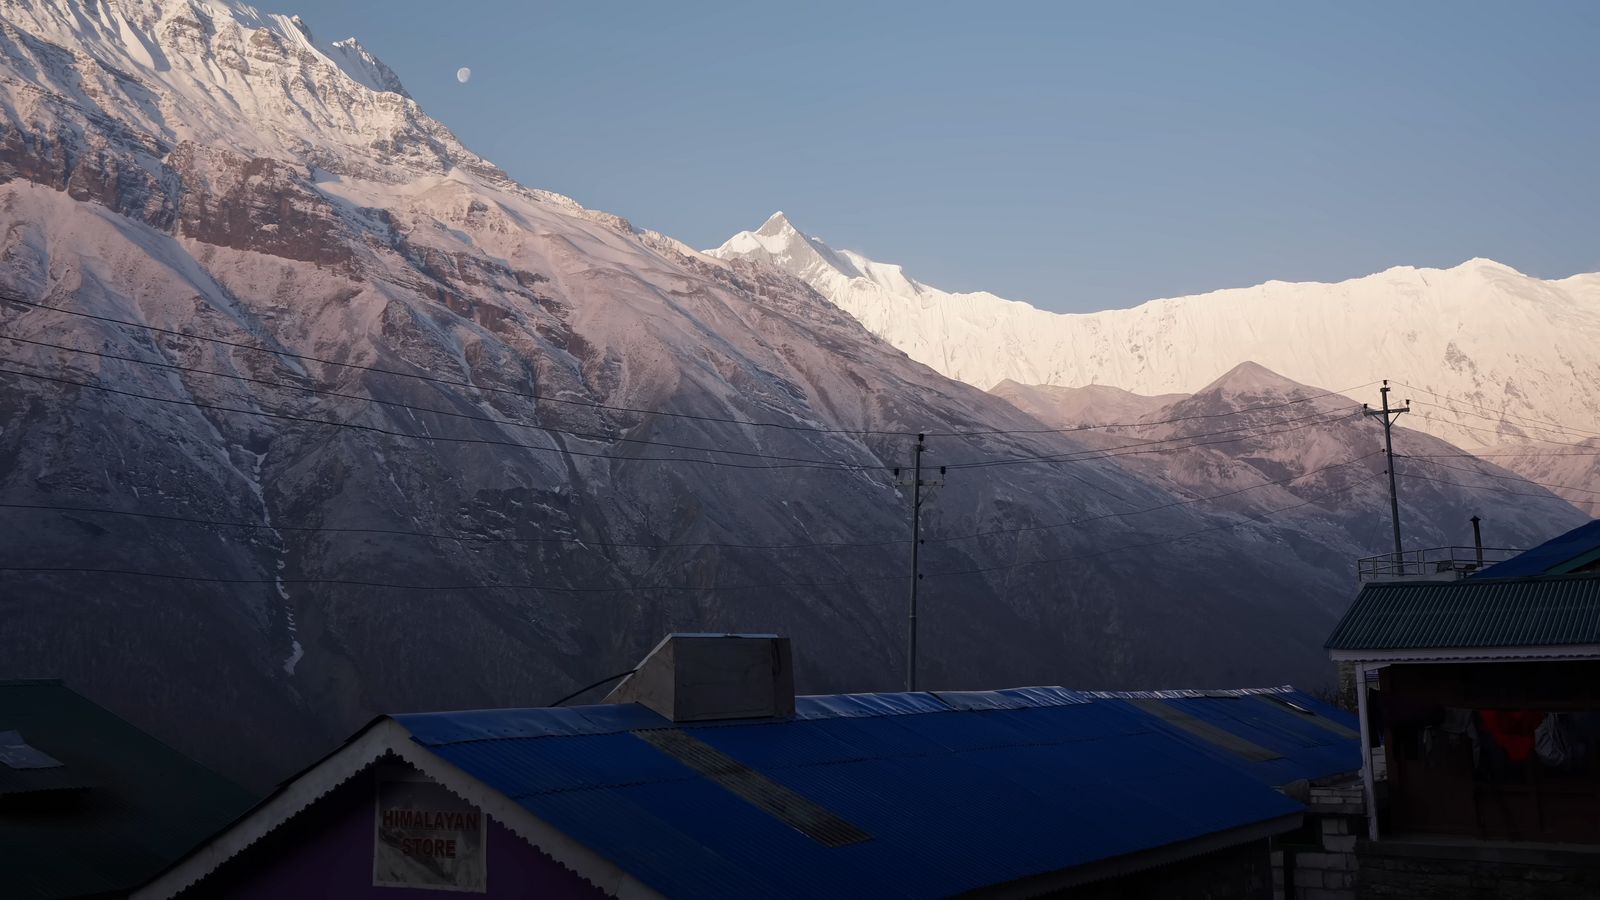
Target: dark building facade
{"type": "Point", "coordinates": [1481, 701]}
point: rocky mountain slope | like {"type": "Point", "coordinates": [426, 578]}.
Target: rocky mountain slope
{"type": "Point", "coordinates": [1300, 458]}
{"type": "Point", "coordinates": [307, 413]}
{"type": "Point", "coordinates": [1571, 465]}
{"type": "Point", "coordinates": [1510, 345]}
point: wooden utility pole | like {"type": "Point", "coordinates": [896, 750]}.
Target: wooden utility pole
{"type": "Point", "coordinates": [916, 482]}
{"type": "Point", "coordinates": [1389, 415]}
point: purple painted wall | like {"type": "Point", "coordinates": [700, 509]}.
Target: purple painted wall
{"type": "Point", "coordinates": [326, 852]}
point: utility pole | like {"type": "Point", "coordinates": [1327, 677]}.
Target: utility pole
{"type": "Point", "coordinates": [916, 483]}
{"type": "Point", "coordinates": [1389, 415]}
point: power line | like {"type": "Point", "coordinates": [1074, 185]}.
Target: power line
{"type": "Point", "coordinates": [1563, 430]}
{"type": "Point", "coordinates": [446, 536]}
{"type": "Point", "coordinates": [1527, 454]}
{"type": "Point", "coordinates": [1170, 540]}
{"type": "Point", "coordinates": [448, 588]}
{"type": "Point", "coordinates": [1519, 478]}
{"type": "Point", "coordinates": [256, 348]}
{"type": "Point", "coordinates": [628, 545]}
{"type": "Point", "coordinates": [1326, 418]}
{"type": "Point", "coordinates": [1148, 509]}
{"type": "Point", "coordinates": [1141, 424]}
{"type": "Point", "coordinates": [168, 576]}
{"type": "Point", "coordinates": [1499, 434]}
{"type": "Point", "coordinates": [584, 435]}
{"type": "Point", "coordinates": [806, 464]}
{"type": "Point", "coordinates": [1466, 402]}
{"type": "Point", "coordinates": [589, 687]}
{"type": "Point", "coordinates": [799, 462]}
{"type": "Point", "coordinates": [378, 370]}
{"type": "Point", "coordinates": [1479, 487]}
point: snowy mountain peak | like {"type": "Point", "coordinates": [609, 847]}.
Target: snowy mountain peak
{"type": "Point", "coordinates": [1479, 262]}
{"type": "Point", "coordinates": [1253, 379]}
{"type": "Point", "coordinates": [1509, 344]}
{"type": "Point", "coordinates": [359, 63]}
{"type": "Point", "coordinates": [777, 225]}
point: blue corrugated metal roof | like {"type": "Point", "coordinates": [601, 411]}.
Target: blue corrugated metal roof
{"type": "Point", "coordinates": [1549, 555]}
{"type": "Point", "coordinates": [956, 790]}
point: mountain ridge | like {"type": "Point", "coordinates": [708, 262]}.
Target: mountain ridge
{"type": "Point", "coordinates": [1478, 332]}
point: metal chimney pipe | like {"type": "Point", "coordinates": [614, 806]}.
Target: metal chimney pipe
{"type": "Point", "coordinates": [1477, 539]}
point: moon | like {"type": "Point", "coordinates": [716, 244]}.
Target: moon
{"type": "Point", "coordinates": [462, 74]}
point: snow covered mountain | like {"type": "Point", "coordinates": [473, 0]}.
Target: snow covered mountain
{"type": "Point", "coordinates": [1510, 345]}
{"type": "Point", "coordinates": [307, 412]}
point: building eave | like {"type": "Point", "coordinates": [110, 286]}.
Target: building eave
{"type": "Point", "coordinates": [1467, 654]}
{"type": "Point", "coordinates": [1138, 862]}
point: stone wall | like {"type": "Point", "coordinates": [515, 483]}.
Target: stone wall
{"type": "Point", "coordinates": [1233, 873]}
{"type": "Point", "coordinates": [1319, 862]}
{"type": "Point", "coordinates": [1467, 870]}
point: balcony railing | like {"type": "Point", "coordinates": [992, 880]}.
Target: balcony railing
{"type": "Point", "coordinates": [1437, 563]}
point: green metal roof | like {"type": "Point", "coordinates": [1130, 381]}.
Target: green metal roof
{"type": "Point", "coordinates": [1473, 612]}
{"type": "Point", "coordinates": [120, 806]}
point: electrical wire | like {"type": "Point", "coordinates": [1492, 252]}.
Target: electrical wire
{"type": "Point", "coordinates": [796, 462]}
{"type": "Point", "coordinates": [584, 435]}
{"type": "Point", "coordinates": [589, 687]}
{"type": "Point", "coordinates": [1142, 424]}
{"type": "Point", "coordinates": [706, 545]}
{"type": "Point", "coordinates": [1478, 487]}
{"type": "Point", "coordinates": [1563, 430]}
{"type": "Point", "coordinates": [446, 536]}
{"type": "Point", "coordinates": [447, 588]}
{"type": "Point", "coordinates": [1135, 512]}
{"type": "Point", "coordinates": [807, 464]}
{"type": "Point", "coordinates": [1158, 543]}
{"type": "Point", "coordinates": [285, 354]}
{"type": "Point", "coordinates": [1519, 478]}
{"type": "Point", "coordinates": [1500, 434]}
{"type": "Point", "coordinates": [1465, 402]}
{"type": "Point", "coordinates": [1326, 418]}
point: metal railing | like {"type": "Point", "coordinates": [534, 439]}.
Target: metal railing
{"type": "Point", "coordinates": [1433, 562]}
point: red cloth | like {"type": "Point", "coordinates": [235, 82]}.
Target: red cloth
{"type": "Point", "coordinates": [1513, 730]}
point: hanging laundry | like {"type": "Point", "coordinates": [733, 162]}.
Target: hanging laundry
{"type": "Point", "coordinates": [1513, 730]}
{"type": "Point", "coordinates": [1455, 727]}
{"type": "Point", "coordinates": [1552, 741]}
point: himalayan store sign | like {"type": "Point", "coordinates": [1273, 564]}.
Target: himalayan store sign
{"type": "Point", "coordinates": [427, 837]}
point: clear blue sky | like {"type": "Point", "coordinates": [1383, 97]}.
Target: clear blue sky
{"type": "Point", "coordinates": [1073, 155]}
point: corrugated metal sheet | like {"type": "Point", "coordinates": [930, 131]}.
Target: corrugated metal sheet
{"type": "Point", "coordinates": [1549, 555]}
{"type": "Point", "coordinates": [955, 791]}
{"type": "Point", "coordinates": [1523, 612]}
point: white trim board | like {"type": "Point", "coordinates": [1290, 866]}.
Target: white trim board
{"type": "Point", "coordinates": [1469, 654]}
